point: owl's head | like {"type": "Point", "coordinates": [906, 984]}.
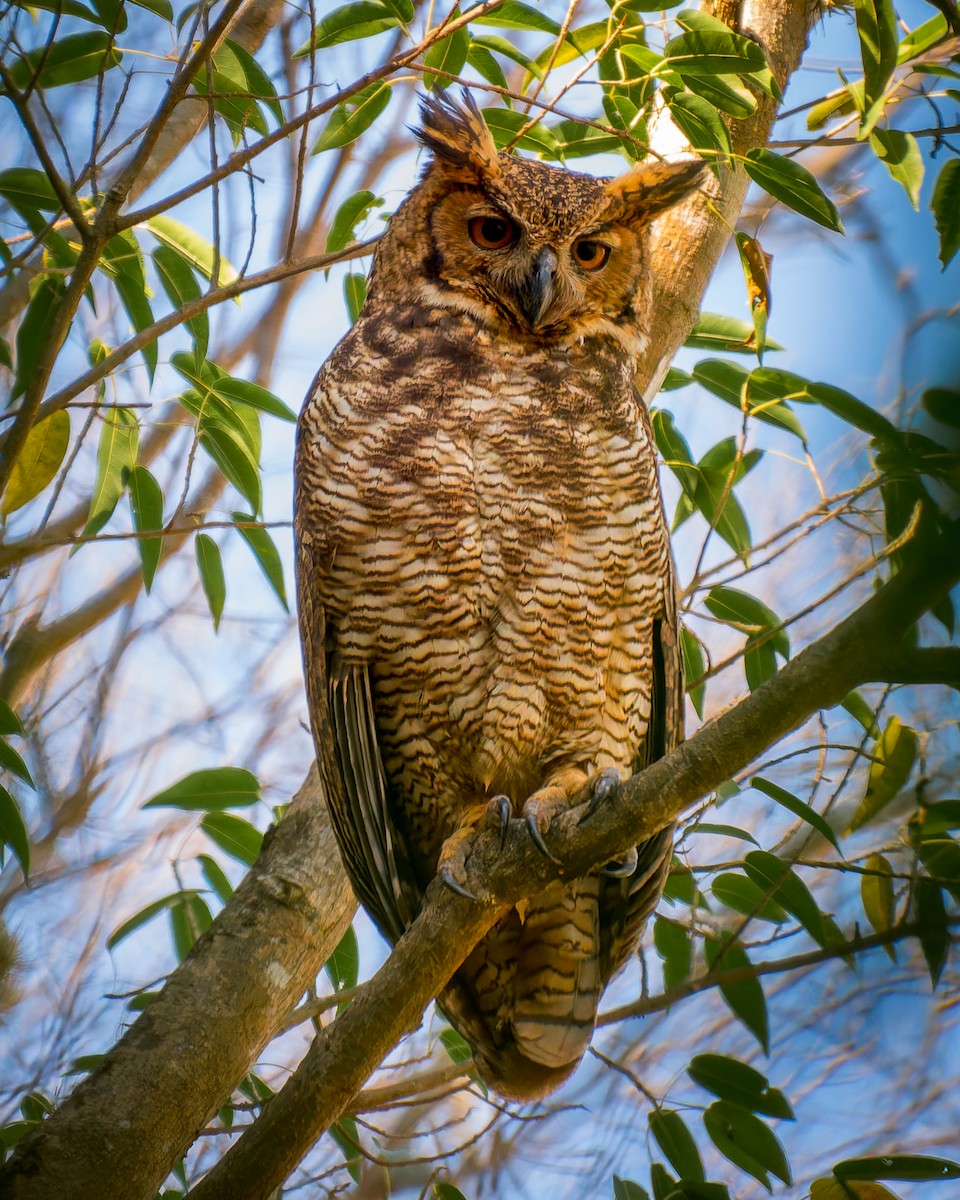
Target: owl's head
{"type": "Point", "coordinates": [530, 248]}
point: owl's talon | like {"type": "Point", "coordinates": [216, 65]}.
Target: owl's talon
{"type": "Point", "coordinates": [622, 870]}
{"type": "Point", "coordinates": [606, 784]}
{"type": "Point", "coordinates": [448, 881]}
{"type": "Point", "coordinates": [499, 812]}
{"type": "Point", "coordinates": [537, 836]}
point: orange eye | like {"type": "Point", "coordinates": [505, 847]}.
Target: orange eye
{"type": "Point", "coordinates": [492, 233]}
{"type": "Point", "coordinates": [589, 254]}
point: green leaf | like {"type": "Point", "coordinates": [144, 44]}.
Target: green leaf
{"type": "Point", "coordinates": [747, 1142]}
{"type": "Point", "coordinates": [352, 118]}
{"type": "Point", "coordinates": [26, 187]}
{"type": "Point", "coordinates": [116, 458]}
{"type": "Point", "coordinates": [348, 23]}
{"type": "Point", "coordinates": [231, 451]}
{"type": "Point", "coordinates": [245, 392]}
{"type": "Point", "coordinates": [900, 154]}
{"type": "Point", "coordinates": [748, 614]}
{"type": "Point", "coordinates": [344, 1133]}
{"type": "Point", "coordinates": [347, 217]}
{"type": "Point", "coordinates": [179, 282]}
{"type": "Point", "coordinates": [447, 55]}
{"type": "Point", "coordinates": [934, 933]}
{"type": "Point", "coordinates": [514, 15]}
{"type": "Point", "coordinates": [11, 761]}
{"type": "Point", "coordinates": [787, 181]}
{"type": "Point", "coordinates": [258, 82]}
{"type": "Point", "coordinates": [213, 873]}
{"type": "Point", "coordinates": [212, 579]}
{"type": "Point", "coordinates": [918, 41]}
{"type": "Point", "coordinates": [675, 452]}
{"type": "Point", "coordinates": [672, 942]}
{"type": "Point", "coordinates": [146, 505]}
{"type": "Point", "coordinates": [898, 1166]}
{"type": "Point", "coordinates": [848, 408]}
{"type": "Point", "coordinates": [663, 1183]}
{"type": "Point", "coordinates": [778, 880]}
{"type": "Point", "coordinates": [861, 711]}
{"type": "Point", "coordinates": [354, 294]}
{"type": "Point", "coordinates": [483, 62]}
{"type": "Point", "coordinates": [210, 790]}
{"type": "Point", "coordinates": [894, 756]}
{"type": "Point", "coordinates": [945, 205]}
{"type": "Point", "coordinates": [700, 123]}
{"type": "Point", "coordinates": [799, 809]}
{"type": "Point", "coordinates": [675, 1140]}
{"type": "Point", "coordinates": [233, 835]}
{"type": "Point", "coordinates": [34, 331]}
{"type": "Point", "coordinates": [123, 261]}
{"type": "Point", "coordinates": [725, 831]}
{"type": "Point", "coordinates": [231, 97]}
{"type": "Point", "coordinates": [9, 721]}
{"type": "Point", "coordinates": [499, 45]}
{"type": "Point", "coordinates": [723, 92]}
{"type": "Point", "coordinates": [625, 1189]}
{"type": "Point", "coordinates": [876, 894]}
{"type": "Point", "coordinates": [733, 1080]}
{"type": "Point", "coordinates": [879, 45]}
{"type": "Point", "coordinates": [745, 996]}
{"type": "Point", "coordinates": [189, 917]}
{"type": "Point", "coordinates": [71, 59]}
{"type": "Point", "coordinates": [343, 965]}
{"type": "Point", "coordinates": [456, 1046]}
{"type": "Point", "coordinates": [694, 666]}
{"type": "Point", "coordinates": [265, 552]}
{"type": "Point", "coordinates": [749, 391]}
{"type": "Point", "coordinates": [714, 52]}
{"type": "Point", "coordinates": [142, 917]}
{"type": "Point", "coordinates": [191, 246]}
{"type": "Point", "coordinates": [715, 332]}
{"type": "Point", "coordinates": [38, 461]}
{"type": "Point", "coordinates": [744, 896]}
{"type": "Point", "coordinates": [446, 1191]}
{"type": "Point", "coordinates": [943, 405]}
{"type": "Point", "coordinates": [13, 832]}
{"type": "Point", "coordinates": [505, 124]}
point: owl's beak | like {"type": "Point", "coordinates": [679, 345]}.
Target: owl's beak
{"type": "Point", "coordinates": [536, 291]}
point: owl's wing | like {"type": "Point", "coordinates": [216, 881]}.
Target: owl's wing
{"type": "Point", "coordinates": [625, 905]}
{"type": "Point", "coordinates": [348, 756]}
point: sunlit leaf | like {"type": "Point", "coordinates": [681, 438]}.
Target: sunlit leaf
{"type": "Point", "coordinates": [354, 293]}
{"type": "Point", "coordinates": [347, 217]}
{"type": "Point", "coordinates": [343, 965]}
{"type": "Point", "coordinates": [748, 614]}
{"type": "Point", "coordinates": [832, 1189]}
{"type": "Point", "coordinates": [716, 332]}
{"type": "Point", "coordinates": [363, 19]}
{"type": "Point", "coordinates": [879, 45]}
{"type": "Point", "coordinates": [348, 120]}
{"type": "Point", "coordinates": [893, 759]}
{"type": "Point", "coordinates": [181, 285]}
{"type": "Point", "coordinates": [448, 56]}
{"type": "Point", "coordinates": [188, 918]}
{"type": "Point", "coordinates": [788, 181]}
{"type": "Point", "coordinates": [514, 15]}
{"type": "Point", "coordinates": [918, 41]}
{"type": "Point", "coordinates": [714, 52]}
{"type": "Point", "coordinates": [694, 666]}
{"type": "Point", "coordinates": [34, 332]}
{"type": "Point", "coordinates": [700, 123]}
{"type": "Point", "coordinates": [508, 126]}
{"type": "Point", "coordinates": [73, 58]}
{"type": "Point", "coordinates": [456, 1046]}
{"type": "Point", "coordinates": [38, 461]}
{"type": "Point", "coordinates": [900, 154]}
{"type": "Point", "coordinates": [191, 246]}
{"type": "Point", "coordinates": [211, 790]}
{"type": "Point", "coordinates": [876, 894]}
{"type": "Point", "coordinates": [213, 873]}
{"type": "Point", "coordinates": [116, 458]}
{"type": "Point", "coordinates": [233, 835]}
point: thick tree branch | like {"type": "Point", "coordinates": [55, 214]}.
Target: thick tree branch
{"type": "Point", "coordinates": [936, 664]}
{"type": "Point", "coordinates": [345, 1053]}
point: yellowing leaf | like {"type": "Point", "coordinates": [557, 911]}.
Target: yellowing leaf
{"type": "Point", "coordinates": [876, 893]}
{"type": "Point", "coordinates": [893, 761]}
{"type": "Point", "coordinates": [38, 461]}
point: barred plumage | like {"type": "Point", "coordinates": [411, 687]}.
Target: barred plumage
{"type": "Point", "coordinates": [486, 592]}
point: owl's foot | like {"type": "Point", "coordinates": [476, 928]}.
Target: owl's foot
{"type": "Point", "coordinates": [624, 869]}
{"type": "Point", "coordinates": [497, 815]}
{"type": "Point", "coordinates": [539, 810]}
{"type": "Point", "coordinates": [447, 879]}
{"type": "Point", "coordinates": [451, 869]}
{"type": "Point", "coordinates": [605, 787]}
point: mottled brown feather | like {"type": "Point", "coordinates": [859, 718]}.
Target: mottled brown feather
{"type": "Point", "coordinates": [486, 595]}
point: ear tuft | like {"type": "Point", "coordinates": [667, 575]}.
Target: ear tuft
{"type": "Point", "coordinates": [457, 133]}
{"type": "Point", "coordinates": [653, 186]}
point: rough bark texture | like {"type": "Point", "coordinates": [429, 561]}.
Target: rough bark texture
{"type": "Point", "coordinates": [121, 1130]}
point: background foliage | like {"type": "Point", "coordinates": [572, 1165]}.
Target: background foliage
{"type": "Point", "coordinates": [185, 232]}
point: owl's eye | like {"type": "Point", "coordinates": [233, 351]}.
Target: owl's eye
{"type": "Point", "coordinates": [492, 233]}
{"type": "Point", "coordinates": [589, 254]}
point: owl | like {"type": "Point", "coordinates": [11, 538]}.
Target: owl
{"type": "Point", "coordinates": [486, 594]}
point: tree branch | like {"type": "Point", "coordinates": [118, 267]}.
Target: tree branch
{"type": "Point", "coordinates": [448, 926]}
{"type": "Point", "coordinates": [935, 664]}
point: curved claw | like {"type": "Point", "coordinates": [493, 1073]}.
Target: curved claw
{"type": "Point", "coordinates": [537, 836]}
{"type": "Point", "coordinates": [624, 869]}
{"type": "Point", "coordinates": [499, 811]}
{"type": "Point", "coordinates": [606, 784]}
{"type": "Point", "coordinates": [448, 881]}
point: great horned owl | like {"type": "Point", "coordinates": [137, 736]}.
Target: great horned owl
{"type": "Point", "coordinates": [486, 593]}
